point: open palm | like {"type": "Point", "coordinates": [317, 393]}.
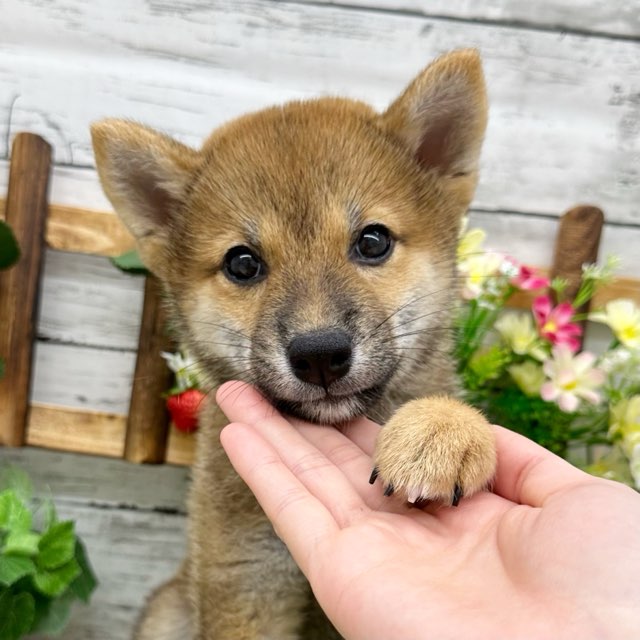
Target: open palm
{"type": "Point", "coordinates": [550, 552]}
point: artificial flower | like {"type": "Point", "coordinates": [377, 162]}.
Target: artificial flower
{"type": "Point", "coordinates": [529, 377]}
{"type": "Point", "coordinates": [529, 280]}
{"type": "Point", "coordinates": [624, 423]}
{"type": "Point", "coordinates": [479, 270]}
{"type": "Point", "coordinates": [520, 335]}
{"type": "Point", "coordinates": [634, 466]}
{"type": "Point", "coordinates": [571, 378]}
{"type": "Point", "coordinates": [601, 274]}
{"type": "Point", "coordinates": [185, 368]}
{"type": "Point", "coordinates": [554, 323]}
{"type": "Point", "coordinates": [470, 242]}
{"type": "Point", "coordinates": [623, 318]}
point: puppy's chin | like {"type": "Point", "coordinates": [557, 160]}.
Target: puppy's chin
{"type": "Point", "coordinates": [331, 410]}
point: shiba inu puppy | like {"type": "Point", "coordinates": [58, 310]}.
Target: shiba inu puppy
{"type": "Point", "coordinates": [310, 249]}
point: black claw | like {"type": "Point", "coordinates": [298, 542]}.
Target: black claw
{"type": "Point", "coordinates": [421, 502]}
{"type": "Point", "coordinates": [457, 494]}
{"type": "Point", "coordinates": [388, 490]}
{"type": "Point", "coordinates": [374, 475]}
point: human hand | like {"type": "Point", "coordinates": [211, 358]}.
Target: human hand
{"type": "Point", "coordinates": [550, 553]}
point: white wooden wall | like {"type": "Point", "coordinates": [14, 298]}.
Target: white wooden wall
{"type": "Point", "coordinates": [564, 83]}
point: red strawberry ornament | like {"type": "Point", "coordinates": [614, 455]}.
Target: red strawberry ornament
{"type": "Point", "coordinates": [183, 408]}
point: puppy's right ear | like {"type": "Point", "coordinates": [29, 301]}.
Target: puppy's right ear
{"type": "Point", "coordinates": [145, 175]}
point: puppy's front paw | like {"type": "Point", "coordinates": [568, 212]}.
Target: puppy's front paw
{"type": "Point", "coordinates": [435, 449]}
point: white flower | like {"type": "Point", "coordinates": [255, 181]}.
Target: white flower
{"type": "Point", "coordinates": [623, 317]}
{"type": "Point", "coordinates": [518, 332]}
{"type": "Point", "coordinates": [185, 368]}
{"type": "Point", "coordinates": [480, 272]}
{"type": "Point", "coordinates": [571, 378]}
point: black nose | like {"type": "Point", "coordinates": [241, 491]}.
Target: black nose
{"type": "Point", "coordinates": [320, 357]}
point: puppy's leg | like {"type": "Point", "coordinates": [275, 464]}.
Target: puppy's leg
{"type": "Point", "coordinates": [437, 449]}
{"type": "Point", "coordinates": [250, 589]}
{"type": "Point", "coordinates": [167, 615]}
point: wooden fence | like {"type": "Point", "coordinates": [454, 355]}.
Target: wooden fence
{"type": "Point", "coordinates": [144, 435]}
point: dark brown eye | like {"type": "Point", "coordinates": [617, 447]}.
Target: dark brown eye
{"type": "Point", "coordinates": [374, 244]}
{"type": "Point", "coordinates": [243, 266]}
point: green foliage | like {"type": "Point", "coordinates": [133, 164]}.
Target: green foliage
{"type": "Point", "coordinates": [9, 249]}
{"type": "Point", "coordinates": [534, 418]}
{"type": "Point", "coordinates": [130, 262]}
{"type": "Point", "coordinates": [42, 571]}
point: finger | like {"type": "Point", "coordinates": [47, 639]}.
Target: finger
{"type": "Point", "coordinates": [353, 462]}
{"type": "Point", "coordinates": [362, 431]}
{"type": "Point", "coordinates": [241, 402]}
{"type": "Point", "coordinates": [299, 518]}
{"type": "Point", "coordinates": [529, 474]}
{"type": "Point", "coordinates": [314, 469]}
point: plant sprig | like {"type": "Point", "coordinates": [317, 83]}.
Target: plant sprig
{"type": "Point", "coordinates": [43, 566]}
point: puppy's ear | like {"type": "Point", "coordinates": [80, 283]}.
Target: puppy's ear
{"type": "Point", "coordinates": [145, 175]}
{"type": "Point", "coordinates": [442, 114]}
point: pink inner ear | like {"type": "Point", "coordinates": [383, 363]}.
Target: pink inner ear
{"type": "Point", "coordinates": [434, 151]}
{"type": "Point", "coordinates": [158, 201]}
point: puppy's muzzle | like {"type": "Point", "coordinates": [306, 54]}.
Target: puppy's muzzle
{"type": "Point", "coordinates": [320, 357]}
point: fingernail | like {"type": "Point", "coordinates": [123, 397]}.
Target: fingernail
{"type": "Point", "coordinates": [374, 475]}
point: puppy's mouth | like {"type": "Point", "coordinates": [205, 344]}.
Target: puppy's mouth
{"type": "Point", "coordinates": [332, 409]}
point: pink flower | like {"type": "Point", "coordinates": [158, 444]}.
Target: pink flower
{"type": "Point", "coordinates": [528, 280]}
{"type": "Point", "coordinates": [554, 323]}
{"type": "Point", "coordinates": [571, 379]}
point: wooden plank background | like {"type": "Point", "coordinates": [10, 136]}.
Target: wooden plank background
{"type": "Point", "coordinates": [564, 83]}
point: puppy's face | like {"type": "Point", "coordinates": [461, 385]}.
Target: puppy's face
{"type": "Point", "coordinates": [310, 248]}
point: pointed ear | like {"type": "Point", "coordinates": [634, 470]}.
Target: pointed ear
{"type": "Point", "coordinates": [442, 114]}
{"type": "Point", "coordinates": [145, 175]}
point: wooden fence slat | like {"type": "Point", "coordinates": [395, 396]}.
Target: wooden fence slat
{"type": "Point", "coordinates": [148, 424]}
{"type": "Point", "coordinates": [26, 212]}
{"type": "Point", "coordinates": [577, 243]}
{"type": "Point", "coordinates": [67, 429]}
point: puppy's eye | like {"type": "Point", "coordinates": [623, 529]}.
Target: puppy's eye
{"type": "Point", "coordinates": [374, 244]}
{"type": "Point", "coordinates": [243, 266]}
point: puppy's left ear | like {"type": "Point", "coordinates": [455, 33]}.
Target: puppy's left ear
{"type": "Point", "coordinates": [442, 115]}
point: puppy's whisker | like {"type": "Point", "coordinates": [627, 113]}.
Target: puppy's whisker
{"type": "Point", "coordinates": [223, 344]}
{"type": "Point", "coordinates": [404, 306]}
{"type": "Point", "coordinates": [223, 327]}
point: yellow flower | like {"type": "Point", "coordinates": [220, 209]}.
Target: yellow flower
{"type": "Point", "coordinates": [624, 421]}
{"type": "Point", "coordinates": [518, 332]}
{"type": "Point", "coordinates": [470, 243]}
{"type": "Point", "coordinates": [623, 317]}
{"type": "Point", "coordinates": [529, 376]}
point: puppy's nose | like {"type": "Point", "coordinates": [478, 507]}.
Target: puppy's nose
{"type": "Point", "coordinates": [320, 357]}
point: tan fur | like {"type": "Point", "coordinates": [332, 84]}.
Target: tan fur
{"type": "Point", "coordinates": [297, 184]}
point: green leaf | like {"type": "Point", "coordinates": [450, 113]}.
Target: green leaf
{"type": "Point", "coordinates": [56, 581]}
{"type": "Point", "coordinates": [130, 262]}
{"type": "Point", "coordinates": [12, 568]}
{"type": "Point", "coordinates": [57, 546]}
{"type": "Point", "coordinates": [49, 514]}
{"type": "Point", "coordinates": [24, 543]}
{"type": "Point", "coordinates": [16, 614]}
{"type": "Point", "coordinates": [84, 585]}
{"type": "Point", "coordinates": [18, 480]}
{"type": "Point", "coordinates": [9, 249]}
{"type": "Point", "coordinates": [54, 615]}
{"type": "Point", "coordinates": [14, 516]}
